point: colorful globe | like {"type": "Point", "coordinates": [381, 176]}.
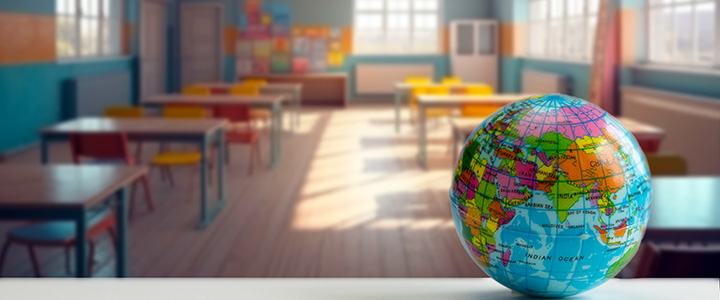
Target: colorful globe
{"type": "Point", "coordinates": [550, 196]}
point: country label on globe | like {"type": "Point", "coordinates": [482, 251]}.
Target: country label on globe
{"type": "Point", "coordinates": [550, 196]}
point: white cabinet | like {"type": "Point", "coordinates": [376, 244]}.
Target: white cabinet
{"type": "Point", "coordinates": [474, 51]}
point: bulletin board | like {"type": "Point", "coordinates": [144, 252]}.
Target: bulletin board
{"type": "Point", "coordinates": [267, 43]}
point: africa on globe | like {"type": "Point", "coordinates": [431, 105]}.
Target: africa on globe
{"type": "Point", "coordinates": [550, 196]}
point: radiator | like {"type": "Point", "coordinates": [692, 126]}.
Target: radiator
{"type": "Point", "coordinates": [90, 95]}
{"type": "Point", "coordinates": [535, 82]}
{"type": "Point", "coordinates": [691, 124]}
{"type": "Point", "coordinates": [380, 79]}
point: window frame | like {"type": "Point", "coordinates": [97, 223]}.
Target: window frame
{"type": "Point", "coordinates": [564, 57]}
{"type": "Point", "coordinates": [648, 59]}
{"type": "Point", "coordinates": [102, 20]}
{"type": "Point", "coordinates": [411, 13]}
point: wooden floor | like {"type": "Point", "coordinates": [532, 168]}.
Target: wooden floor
{"type": "Point", "coordinates": [348, 200]}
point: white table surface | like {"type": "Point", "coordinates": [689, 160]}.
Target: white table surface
{"type": "Point", "coordinates": [285, 289]}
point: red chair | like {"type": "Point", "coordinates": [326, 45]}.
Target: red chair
{"type": "Point", "coordinates": [239, 116]}
{"type": "Point", "coordinates": [109, 148]}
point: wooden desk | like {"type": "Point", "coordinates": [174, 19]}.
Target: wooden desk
{"type": "Point", "coordinates": [293, 90]}
{"type": "Point", "coordinates": [205, 132]}
{"type": "Point", "coordinates": [343, 288]}
{"type": "Point", "coordinates": [684, 209]}
{"type": "Point", "coordinates": [403, 90]}
{"type": "Point", "coordinates": [426, 102]}
{"type": "Point", "coordinates": [329, 88]}
{"type": "Point", "coordinates": [68, 192]}
{"type": "Point", "coordinates": [650, 136]}
{"type": "Point", "coordinates": [272, 102]}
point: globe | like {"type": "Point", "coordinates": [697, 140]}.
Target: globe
{"type": "Point", "coordinates": [550, 196]}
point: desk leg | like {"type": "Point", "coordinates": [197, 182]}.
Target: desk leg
{"type": "Point", "coordinates": [81, 245]}
{"type": "Point", "coordinates": [422, 137]}
{"type": "Point", "coordinates": [221, 166]}
{"type": "Point", "coordinates": [397, 110]}
{"type": "Point", "coordinates": [275, 135]}
{"type": "Point", "coordinates": [455, 137]}
{"type": "Point", "coordinates": [204, 216]}
{"type": "Point", "coordinates": [121, 219]}
{"type": "Point", "coordinates": [44, 151]}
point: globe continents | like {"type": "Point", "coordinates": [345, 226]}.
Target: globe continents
{"type": "Point", "coordinates": [550, 196]}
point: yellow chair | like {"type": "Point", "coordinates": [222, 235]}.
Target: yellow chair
{"type": "Point", "coordinates": [196, 90]}
{"type": "Point", "coordinates": [666, 164]}
{"type": "Point", "coordinates": [452, 80]}
{"type": "Point", "coordinates": [262, 114]}
{"type": "Point", "coordinates": [418, 80]}
{"type": "Point", "coordinates": [254, 81]}
{"type": "Point", "coordinates": [433, 112]}
{"type": "Point", "coordinates": [166, 159]}
{"type": "Point", "coordinates": [478, 110]}
{"type": "Point", "coordinates": [124, 112]}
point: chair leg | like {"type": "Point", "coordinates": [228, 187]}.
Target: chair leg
{"type": "Point", "coordinates": [148, 194]}
{"type": "Point", "coordinates": [250, 160]}
{"type": "Point", "coordinates": [34, 260]}
{"type": "Point", "coordinates": [131, 207]}
{"type": "Point", "coordinates": [68, 269]}
{"type": "Point", "coordinates": [113, 238]}
{"type": "Point", "coordinates": [169, 176]}
{"type": "Point", "coordinates": [227, 154]}
{"type": "Point", "coordinates": [5, 249]}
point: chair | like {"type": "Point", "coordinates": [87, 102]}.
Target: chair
{"type": "Point", "coordinates": [126, 112]}
{"type": "Point", "coordinates": [253, 88]}
{"type": "Point", "coordinates": [59, 234]}
{"type": "Point", "coordinates": [240, 115]}
{"type": "Point", "coordinates": [167, 159]}
{"type": "Point", "coordinates": [679, 260]}
{"type": "Point", "coordinates": [196, 90]}
{"type": "Point", "coordinates": [666, 164]}
{"type": "Point", "coordinates": [470, 110]}
{"type": "Point", "coordinates": [451, 80]}
{"type": "Point", "coordinates": [108, 148]}
{"type": "Point", "coordinates": [254, 81]}
{"type": "Point", "coordinates": [429, 113]}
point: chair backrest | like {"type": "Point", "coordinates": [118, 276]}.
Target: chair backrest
{"type": "Point", "coordinates": [438, 90]}
{"type": "Point", "coordinates": [100, 146]}
{"type": "Point", "coordinates": [255, 81]}
{"type": "Point", "coordinates": [236, 113]}
{"type": "Point", "coordinates": [196, 90]}
{"type": "Point", "coordinates": [683, 260]}
{"type": "Point", "coordinates": [479, 90]}
{"type": "Point", "coordinates": [451, 80]}
{"type": "Point", "coordinates": [245, 89]}
{"type": "Point", "coordinates": [184, 112]}
{"type": "Point", "coordinates": [478, 110]}
{"type": "Point", "coordinates": [666, 164]}
{"type": "Point", "coordinates": [416, 91]}
{"type": "Point", "coordinates": [418, 80]}
{"type": "Point", "coordinates": [124, 112]}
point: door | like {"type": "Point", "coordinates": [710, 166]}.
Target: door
{"type": "Point", "coordinates": [200, 43]}
{"type": "Point", "coordinates": [474, 51]}
{"type": "Point", "coordinates": [153, 51]}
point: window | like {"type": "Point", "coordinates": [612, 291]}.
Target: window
{"type": "Point", "coordinates": [562, 29]}
{"type": "Point", "coordinates": [88, 28]}
{"type": "Point", "coordinates": [683, 32]}
{"type": "Point", "coordinates": [396, 26]}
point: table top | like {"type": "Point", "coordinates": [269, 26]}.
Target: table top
{"type": "Point", "coordinates": [268, 87]}
{"type": "Point", "coordinates": [62, 186]}
{"type": "Point", "coordinates": [404, 85]}
{"type": "Point", "coordinates": [139, 126]}
{"type": "Point", "coordinates": [213, 99]}
{"type": "Point", "coordinates": [338, 289]}
{"type": "Point", "coordinates": [466, 125]}
{"type": "Point", "coordinates": [301, 75]}
{"type": "Point", "coordinates": [456, 100]}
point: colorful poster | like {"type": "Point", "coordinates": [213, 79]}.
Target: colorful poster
{"type": "Point", "coordinates": [244, 66]}
{"type": "Point", "coordinates": [261, 66]}
{"type": "Point", "coordinates": [261, 48]}
{"type": "Point", "coordinates": [280, 63]}
{"type": "Point", "coordinates": [300, 65]}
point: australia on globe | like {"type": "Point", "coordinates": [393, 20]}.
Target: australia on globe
{"type": "Point", "coordinates": [550, 196]}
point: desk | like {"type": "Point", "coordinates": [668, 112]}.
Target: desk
{"type": "Point", "coordinates": [272, 102]}
{"type": "Point", "coordinates": [684, 208]}
{"type": "Point", "coordinates": [205, 132]}
{"type": "Point", "coordinates": [292, 89]}
{"type": "Point", "coordinates": [341, 288]}
{"type": "Point", "coordinates": [403, 89]}
{"type": "Point", "coordinates": [650, 136]}
{"type": "Point", "coordinates": [68, 192]}
{"type": "Point", "coordinates": [426, 102]}
{"type": "Point", "coordinates": [327, 88]}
